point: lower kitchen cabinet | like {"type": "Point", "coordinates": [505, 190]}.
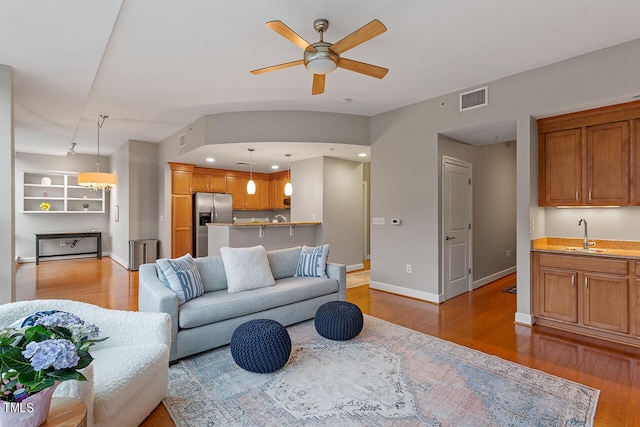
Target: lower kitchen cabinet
{"type": "Point", "coordinates": [586, 294]}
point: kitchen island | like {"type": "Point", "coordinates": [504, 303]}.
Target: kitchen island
{"type": "Point", "coordinates": [271, 235]}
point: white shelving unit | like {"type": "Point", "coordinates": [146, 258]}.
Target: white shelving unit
{"type": "Point", "coordinates": [61, 191]}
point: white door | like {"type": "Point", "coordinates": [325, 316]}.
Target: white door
{"type": "Point", "coordinates": [456, 218]}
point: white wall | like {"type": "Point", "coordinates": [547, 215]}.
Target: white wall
{"type": "Point", "coordinates": [7, 189]}
{"type": "Point", "coordinates": [28, 224]}
{"type": "Point", "coordinates": [404, 156]}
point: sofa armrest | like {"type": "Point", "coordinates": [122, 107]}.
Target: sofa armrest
{"type": "Point", "coordinates": [154, 296]}
{"type": "Point", "coordinates": [338, 272]}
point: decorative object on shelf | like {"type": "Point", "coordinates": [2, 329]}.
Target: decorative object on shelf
{"type": "Point", "coordinates": [98, 180]}
{"type": "Point", "coordinates": [46, 180]}
{"type": "Point", "coordinates": [45, 194]}
{"type": "Point", "coordinates": [85, 206]}
{"type": "Point", "coordinates": [288, 189]}
{"type": "Point", "coordinates": [36, 354]}
{"type": "Point", "coordinates": [251, 185]}
{"type": "Point", "coordinates": [45, 206]}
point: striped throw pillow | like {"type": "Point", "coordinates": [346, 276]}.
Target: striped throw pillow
{"type": "Point", "coordinates": [313, 261]}
{"type": "Point", "coordinates": [181, 275]}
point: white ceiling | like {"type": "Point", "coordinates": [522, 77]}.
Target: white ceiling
{"type": "Point", "coordinates": [155, 66]}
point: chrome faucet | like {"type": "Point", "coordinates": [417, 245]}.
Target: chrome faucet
{"type": "Point", "coordinates": [278, 217]}
{"type": "Point", "coordinates": [587, 243]}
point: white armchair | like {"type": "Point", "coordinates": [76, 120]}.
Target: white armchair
{"type": "Point", "coordinates": [129, 375]}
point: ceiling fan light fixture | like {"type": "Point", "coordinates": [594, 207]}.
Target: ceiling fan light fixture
{"type": "Point", "coordinates": [321, 66]}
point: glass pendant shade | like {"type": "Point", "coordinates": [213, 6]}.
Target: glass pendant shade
{"type": "Point", "coordinates": [288, 189]}
{"type": "Point", "coordinates": [251, 187]}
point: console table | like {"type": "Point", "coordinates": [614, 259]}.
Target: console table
{"type": "Point", "coordinates": [69, 235]}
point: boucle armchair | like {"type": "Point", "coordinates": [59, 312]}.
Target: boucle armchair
{"type": "Point", "coordinates": [129, 375]}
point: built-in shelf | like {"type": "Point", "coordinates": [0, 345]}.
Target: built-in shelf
{"type": "Point", "coordinates": [61, 191]}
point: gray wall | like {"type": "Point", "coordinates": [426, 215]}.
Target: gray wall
{"type": "Point", "coordinates": [28, 224]}
{"type": "Point", "coordinates": [136, 164]}
{"type": "Point", "coordinates": [404, 149]}
{"type": "Point", "coordinates": [494, 205]}
{"type": "Point", "coordinates": [7, 189]}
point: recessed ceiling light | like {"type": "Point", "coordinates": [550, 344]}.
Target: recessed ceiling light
{"type": "Point", "coordinates": [362, 155]}
{"type": "Point", "coordinates": [275, 167]}
{"type": "Point", "coordinates": [210, 159]}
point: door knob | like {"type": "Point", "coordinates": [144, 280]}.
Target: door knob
{"type": "Point", "coordinates": [449, 238]}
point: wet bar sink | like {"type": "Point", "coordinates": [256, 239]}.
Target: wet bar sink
{"type": "Point", "coordinates": [585, 251]}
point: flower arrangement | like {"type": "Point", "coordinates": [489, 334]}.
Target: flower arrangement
{"type": "Point", "coordinates": [45, 206]}
{"type": "Point", "coordinates": [47, 347]}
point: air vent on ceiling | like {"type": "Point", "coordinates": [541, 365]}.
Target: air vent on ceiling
{"type": "Point", "coordinates": [182, 140]}
{"type": "Point", "coordinates": [474, 99]}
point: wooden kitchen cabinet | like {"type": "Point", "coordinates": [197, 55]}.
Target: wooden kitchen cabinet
{"type": "Point", "coordinates": [278, 181]}
{"type": "Point", "coordinates": [237, 185]}
{"type": "Point", "coordinates": [587, 158]}
{"type": "Point", "coordinates": [181, 206]}
{"type": "Point", "coordinates": [208, 180]}
{"type": "Point", "coordinates": [583, 293]}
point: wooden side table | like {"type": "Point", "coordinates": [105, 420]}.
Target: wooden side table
{"type": "Point", "coordinates": [66, 412]}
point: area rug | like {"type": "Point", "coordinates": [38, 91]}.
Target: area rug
{"type": "Point", "coordinates": [358, 278]}
{"type": "Point", "coordinates": [386, 376]}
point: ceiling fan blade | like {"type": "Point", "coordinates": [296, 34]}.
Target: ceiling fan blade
{"type": "Point", "coordinates": [318, 84]}
{"type": "Point", "coordinates": [277, 67]}
{"type": "Point", "coordinates": [286, 32]}
{"type": "Point", "coordinates": [359, 36]}
{"type": "Point", "coordinates": [363, 68]}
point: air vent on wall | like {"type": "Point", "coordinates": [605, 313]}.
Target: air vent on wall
{"type": "Point", "coordinates": [182, 140]}
{"type": "Point", "coordinates": [474, 99]}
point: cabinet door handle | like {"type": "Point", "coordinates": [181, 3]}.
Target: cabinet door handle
{"type": "Point", "coordinates": [573, 280]}
{"type": "Point", "coordinates": [577, 198]}
{"type": "Point", "coordinates": [586, 283]}
{"type": "Point", "coordinates": [590, 195]}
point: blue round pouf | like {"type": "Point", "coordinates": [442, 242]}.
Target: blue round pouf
{"type": "Point", "coordinates": [339, 320]}
{"type": "Point", "coordinates": [260, 345]}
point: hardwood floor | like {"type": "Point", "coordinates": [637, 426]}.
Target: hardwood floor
{"type": "Point", "coordinates": [482, 319]}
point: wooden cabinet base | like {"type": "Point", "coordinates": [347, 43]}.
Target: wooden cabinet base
{"type": "Point", "coordinates": [593, 333]}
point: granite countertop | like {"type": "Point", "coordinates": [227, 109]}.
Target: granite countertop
{"type": "Point", "coordinates": [262, 224]}
{"type": "Point", "coordinates": [603, 248]}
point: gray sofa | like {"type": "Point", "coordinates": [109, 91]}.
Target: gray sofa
{"type": "Point", "coordinates": [208, 321]}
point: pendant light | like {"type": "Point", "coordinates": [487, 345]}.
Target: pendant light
{"type": "Point", "coordinates": [97, 181]}
{"type": "Point", "coordinates": [288, 188]}
{"type": "Point", "coordinates": [251, 186]}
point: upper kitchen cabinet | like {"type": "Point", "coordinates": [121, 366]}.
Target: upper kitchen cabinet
{"type": "Point", "coordinates": [589, 158]}
{"type": "Point", "coordinates": [278, 199]}
{"type": "Point", "coordinates": [237, 185]}
{"type": "Point", "coordinates": [636, 151]}
{"type": "Point", "coordinates": [208, 180]}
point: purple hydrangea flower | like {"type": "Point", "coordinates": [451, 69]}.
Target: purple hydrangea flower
{"type": "Point", "coordinates": [80, 330]}
{"type": "Point", "coordinates": [61, 354]}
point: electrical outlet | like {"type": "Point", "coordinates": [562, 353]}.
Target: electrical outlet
{"type": "Point", "coordinates": [508, 253]}
{"type": "Point", "coordinates": [409, 268]}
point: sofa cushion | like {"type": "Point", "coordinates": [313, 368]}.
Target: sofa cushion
{"type": "Point", "coordinates": [313, 261]}
{"type": "Point", "coordinates": [181, 275]}
{"type": "Point", "coordinates": [283, 262]}
{"type": "Point", "coordinates": [246, 268]}
{"type": "Point", "coordinates": [221, 305]}
{"type": "Point", "coordinates": [212, 273]}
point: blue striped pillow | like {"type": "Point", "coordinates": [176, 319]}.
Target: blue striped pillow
{"type": "Point", "coordinates": [181, 275]}
{"type": "Point", "coordinates": [313, 261]}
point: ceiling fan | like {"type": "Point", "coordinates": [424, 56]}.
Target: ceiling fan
{"type": "Point", "coordinates": [322, 57]}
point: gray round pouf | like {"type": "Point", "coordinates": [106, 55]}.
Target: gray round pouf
{"type": "Point", "coordinates": [260, 345]}
{"type": "Point", "coordinates": [339, 320]}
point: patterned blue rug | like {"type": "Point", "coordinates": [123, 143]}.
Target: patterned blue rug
{"type": "Point", "coordinates": [386, 376]}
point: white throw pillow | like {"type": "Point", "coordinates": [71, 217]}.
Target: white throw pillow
{"type": "Point", "coordinates": [313, 261]}
{"type": "Point", "coordinates": [246, 268]}
{"type": "Point", "coordinates": [181, 275]}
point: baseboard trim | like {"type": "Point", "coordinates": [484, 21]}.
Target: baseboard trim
{"type": "Point", "coordinates": [412, 293]}
{"type": "Point", "coordinates": [26, 259]}
{"type": "Point", "coordinates": [499, 275]}
{"type": "Point", "coordinates": [355, 267]}
{"type": "Point", "coordinates": [525, 319]}
{"type": "Point", "coordinates": [120, 261]}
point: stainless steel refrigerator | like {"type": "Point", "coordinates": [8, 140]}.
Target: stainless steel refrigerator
{"type": "Point", "coordinates": [207, 208]}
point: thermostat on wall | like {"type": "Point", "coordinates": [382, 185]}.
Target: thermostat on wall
{"type": "Point", "coordinates": [396, 221]}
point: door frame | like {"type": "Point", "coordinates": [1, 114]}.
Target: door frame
{"type": "Point", "coordinates": [461, 163]}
